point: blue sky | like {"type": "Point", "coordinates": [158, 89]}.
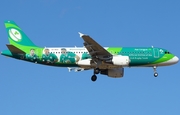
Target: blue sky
{"type": "Point", "coordinates": [30, 89]}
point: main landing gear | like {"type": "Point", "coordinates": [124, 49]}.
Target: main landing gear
{"type": "Point", "coordinates": [94, 77]}
{"type": "Point", "coordinates": [155, 72]}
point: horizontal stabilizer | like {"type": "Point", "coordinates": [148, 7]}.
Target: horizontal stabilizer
{"type": "Point", "coordinates": [14, 49]}
{"type": "Point", "coordinates": [76, 69]}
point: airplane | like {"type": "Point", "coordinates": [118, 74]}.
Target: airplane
{"type": "Point", "coordinates": [109, 61]}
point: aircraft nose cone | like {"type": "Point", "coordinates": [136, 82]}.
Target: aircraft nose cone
{"type": "Point", "coordinates": [176, 59]}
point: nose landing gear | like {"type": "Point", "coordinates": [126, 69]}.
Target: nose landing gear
{"type": "Point", "coordinates": [155, 71]}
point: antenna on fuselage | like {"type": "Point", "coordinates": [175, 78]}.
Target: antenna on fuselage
{"type": "Point", "coordinates": [152, 46]}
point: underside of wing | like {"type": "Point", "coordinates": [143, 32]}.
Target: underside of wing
{"type": "Point", "coordinates": [100, 57]}
{"type": "Point", "coordinates": [97, 52]}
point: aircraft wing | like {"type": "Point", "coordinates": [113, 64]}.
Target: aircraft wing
{"type": "Point", "coordinates": [97, 52]}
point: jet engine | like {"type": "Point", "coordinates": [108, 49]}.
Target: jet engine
{"type": "Point", "coordinates": [114, 73]}
{"type": "Point", "coordinates": [85, 62]}
{"type": "Point", "coordinates": [121, 60]}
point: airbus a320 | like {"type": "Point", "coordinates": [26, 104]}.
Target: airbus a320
{"type": "Point", "coordinates": [109, 61]}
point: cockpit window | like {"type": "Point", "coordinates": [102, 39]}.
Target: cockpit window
{"type": "Point", "coordinates": [166, 52]}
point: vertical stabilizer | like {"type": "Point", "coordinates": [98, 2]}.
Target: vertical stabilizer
{"type": "Point", "coordinates": [16, 36]}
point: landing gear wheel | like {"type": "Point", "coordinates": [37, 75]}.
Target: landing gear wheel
{"type": "Point", "coordinates": [155, 74]}
{"type": "Point", "coordinates": [96, 71]}
{"type": "Point", "coordinates": [94, 78]}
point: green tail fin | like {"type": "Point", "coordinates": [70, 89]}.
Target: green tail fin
{"type": "Point", "coordinates": [16, 36]}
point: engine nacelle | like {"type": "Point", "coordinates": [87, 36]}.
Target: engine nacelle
{"type": "Point", "coordinates": [85, 62]}
{"type": "Point", "coordinates": [115, 73]}
{"type": "Point", "coordinates": [121, 60]}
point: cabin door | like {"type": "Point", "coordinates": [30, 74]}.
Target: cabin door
{"type": "Point", "coordinates": [156, 53]}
